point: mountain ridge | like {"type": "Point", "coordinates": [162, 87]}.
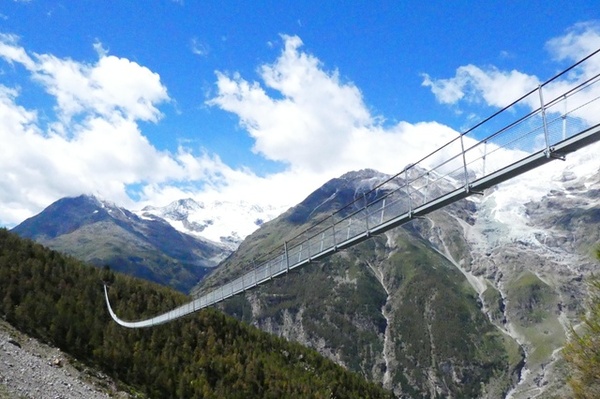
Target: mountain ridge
{"type": "Point", "coordinates": [102, 233]}
{"type": "Point", "coordinates": [515, 256]}
{"type": "Point", "coordinates": [224, 223]}
{"type": "Point", "coordinates": [523, 248]}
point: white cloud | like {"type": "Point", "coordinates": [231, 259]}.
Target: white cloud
{"type": "Point", "coordinates": [102, 151]}
{"type": "Point", "coordinates": [112, 86]}
{"type": "Point", "coordinates": [475, 84]}
{"type": "Point", "coordinates": [579, 41]}
{"type": "Point", "coordinates": [198, 47]}
{"type": "Point", "coordinates": [13, 53]}
{"type": "Point", "coordinates": [298, 113]}
{"type": "Point", "coordinates": [316, 123]}
{"type": "Point", "coordinates": [497, 88]}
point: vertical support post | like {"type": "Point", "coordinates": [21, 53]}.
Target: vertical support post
{"type": "Point", "coordinates": [334, 239]}
{"type": "Point", "coordinates": [464, 157]}
{"type": "Point", "coordinates": [426, 187]}
{"type": "Point", "coordinates": [348, 229]}
{"type": "Point", "coordinates": [543, 108]}
{"type": "Point", "coordinates": [322, 241]}
{"type": "Point", "coordinates": [366, 213]}
{"type": "Point", "coordinates": [484, 155]}
{"type": "Point", "coordinates": [382, 210]}
{"type": "Point", "coordinates": [407, 192]}
{"type": "Point", "coordinates": [564, 119]}
{"type": "Point", "coordinates": [287, 258]}
{"type": "Point", "coordinates": [269, 271]}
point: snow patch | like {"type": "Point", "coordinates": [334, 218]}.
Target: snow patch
{"type": "Point", "coordinates": [223, 222]}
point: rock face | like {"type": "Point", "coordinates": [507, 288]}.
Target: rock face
{"type": "Point", "coordinates": [101, 233]}
{"type": "Point", "coordinates": [527, 245]}
{"type": "Point", "coordinates": [471, 301]}
{"type": "Point", "coordinates": [392, 308]}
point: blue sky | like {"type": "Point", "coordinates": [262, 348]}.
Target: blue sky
{"type": "Point", "coordinates": [147, 102]}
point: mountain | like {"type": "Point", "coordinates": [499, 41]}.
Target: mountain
{"type": "Point", "coordinates": [60, 301]}
{"type": "Point", "coordinates": [473, 300]}
{"type": "Point", "coordinates": [391, 308]}
{"type": "Point", "coordinates": [101, 233]}
{"type": "Point", "coordinates": [224, 222]}
{"type": "Point", "coordinates": [527, 247]}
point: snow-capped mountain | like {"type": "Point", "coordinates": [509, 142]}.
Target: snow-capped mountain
{"type": "Point", "coordinates": [223, 222]}
{"type": "Point", "coordinates": [102, 233]}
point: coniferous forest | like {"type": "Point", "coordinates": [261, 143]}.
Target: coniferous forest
{"type": "Point", "coordinates": [60, 301]}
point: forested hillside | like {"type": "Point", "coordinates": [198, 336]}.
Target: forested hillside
{"type": "Point", "coordinates": [59, 300]}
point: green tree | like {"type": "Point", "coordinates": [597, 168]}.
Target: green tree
{"type": "Point", "coordinates": [582, 352]}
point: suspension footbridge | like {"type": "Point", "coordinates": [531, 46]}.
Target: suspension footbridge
{"type": "Point", "coordinates": [558, 117]}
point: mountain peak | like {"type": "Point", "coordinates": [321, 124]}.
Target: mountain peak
{"type": "Point", "coordinates": [62, 217]}
{"type": "Point", "coordinates": [181, 209]}
{"type": "Point", "coordinates": [363, 174]}
{"type": "Point", "coordinates": [101, 232]}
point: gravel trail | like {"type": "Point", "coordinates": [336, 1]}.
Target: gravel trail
{"type": "Point", "coordinates": [30, 369]}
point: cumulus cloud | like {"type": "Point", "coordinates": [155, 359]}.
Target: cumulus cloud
{"type": "Point", "coordinates": [490, 85]}
{"type": "Point", "coordinates": [95, 145]}
{"type": "Point", "coordinates": [494, 87]}
{"type": "Point", "coordinates": [315, 114]}
{"type": "Point", "coordinates": [298, 113]}
{"type": "Point", "coordinates": [315, 122]}
{"type": "Point", "coordinates": [579, 41]}
{"type": "Point", "coordinates": [12, 53]}
{"type": "Point", "coordinates": [111, 87]}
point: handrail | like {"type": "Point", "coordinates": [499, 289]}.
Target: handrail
{"type": "Point", "coordinates": [519, 145]}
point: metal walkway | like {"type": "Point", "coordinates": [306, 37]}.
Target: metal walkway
{"type": "Point", "coordinates": [514, 140]}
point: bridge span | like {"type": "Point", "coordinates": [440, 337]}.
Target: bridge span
{"type": "Point", "coordinates": [558, 117]}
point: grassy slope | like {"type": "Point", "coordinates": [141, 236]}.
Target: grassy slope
{"type": "Point", "coordinates": [442, 329]}
{"type": "Point", "coordinates": [533, 305]}
{"type": "Point", "coordinates": [104, 243]}
{"type": "Point", "coordinates": [438, 330]}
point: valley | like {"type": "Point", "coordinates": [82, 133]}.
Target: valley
{"type": "Point", "coordinates": [474, 299]}
{"type": "Point", "coordinates": [297, 200]}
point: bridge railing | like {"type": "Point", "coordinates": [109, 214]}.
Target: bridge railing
{"type": "Point", "coordinates": [563, 107]}
{"type": "Point", "coordinates": [535, 122]}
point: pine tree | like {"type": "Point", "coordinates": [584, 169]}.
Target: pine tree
{"type": "Point", "coordinates": [582, 352]}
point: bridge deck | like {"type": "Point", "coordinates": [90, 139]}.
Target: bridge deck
{"type": "Point", "coordinates": [522, 139]}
